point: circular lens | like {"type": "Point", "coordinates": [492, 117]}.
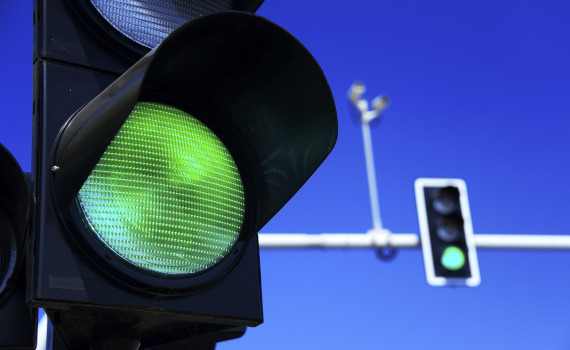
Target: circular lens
{"type": "Point", "coordinates": [166, 196]}
{"type": "Point", "coordinates": [448, 230]}
{"type": "Point", "coordinates": [453, 258]}
{"type": "Point", "coordinates": [148, 22]}
{"type": "Point", "coordinates": [445, 202]}
{"type": "Point", "coordinates": [7, 252]}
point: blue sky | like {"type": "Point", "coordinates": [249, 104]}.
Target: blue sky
{"type": "Point", "coordinates": [478, 90]}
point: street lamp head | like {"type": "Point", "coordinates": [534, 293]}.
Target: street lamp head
{"type": "Point", "coordinates": [379, 103]}
{"type": "Point", "coordinates": [357, 89]}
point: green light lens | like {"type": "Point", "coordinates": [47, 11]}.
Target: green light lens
{"type": "Point", "coordinates": [453, 258]}
{"type": "Point", "coordinates": [166, 195]}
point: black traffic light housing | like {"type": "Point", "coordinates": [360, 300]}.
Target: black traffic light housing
{"type": "Point", "coordinates": [245, 78]}
{"type": "Point", "coordinates": [18, 323]}
{"type": "Point", "coordinates": [446, 232]}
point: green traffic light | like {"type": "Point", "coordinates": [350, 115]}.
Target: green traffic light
{"type": "Point", "coordinates": [166, 195]}
{"type": "Point", "coordinates": [453, 258]}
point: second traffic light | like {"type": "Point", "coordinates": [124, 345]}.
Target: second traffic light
{"type": "Point", "coordinates": [446, 232]}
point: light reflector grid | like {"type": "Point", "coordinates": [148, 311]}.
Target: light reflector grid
{"type": "Point", "coordinates": [166, 195]}
{"type": "Point", "coordinates": [148, 22]}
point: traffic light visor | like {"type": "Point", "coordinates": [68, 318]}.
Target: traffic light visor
{"type": "Point", "coordinates": [166, 195]}
{"type": "Point", "coordinates": [18, 323]}
{"type": "Point", "coordinates": [14, 210]}
{"type": "Point", "coordinates": [144, 214]}
{"type": "Point", "coordinates": [7, 252]}
{"type": "Point", "coordinates": [247, 78]}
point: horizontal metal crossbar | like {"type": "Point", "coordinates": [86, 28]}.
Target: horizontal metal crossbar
{"type": "Point", "coordinates": [384, 239]}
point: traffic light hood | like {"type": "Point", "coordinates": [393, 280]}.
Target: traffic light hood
{"type": "Point", "coordinates": [18, 323]}
{"type": "Point", "coordinates": [14, 195]}
{"type": "Point", "coordinates": [246, 78]}
{"type": "Point", "coordinates": [14, 211]}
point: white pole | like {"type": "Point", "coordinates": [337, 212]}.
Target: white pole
{"type": "Point", "coordinates": [42, 334]}
{"type": "Point", "coordinates": [502, 241]}
{"type": "Point", "coordinates": [371, 173]}
{"type": "Point", "coordinates": [337, 240]}
{"type": "Point", "coordinates": [366, 116]}
{"type": "Point", "coordinates": [405, 240]}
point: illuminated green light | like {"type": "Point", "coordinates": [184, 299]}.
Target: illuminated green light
{"type": "Point", "coordinates": [166, 195]}
{"type": "Point", "coordinates": [453, 258]}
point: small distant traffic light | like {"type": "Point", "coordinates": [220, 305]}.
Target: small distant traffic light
{"type": "Point", "coordinates": [18, 323]}
{"type": "Point", "coordinates": [446, 232]}
{"type": "Point", "coordinates": [151, 185]}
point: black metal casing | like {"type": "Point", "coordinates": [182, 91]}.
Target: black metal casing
{"type": "Point", "coordinates": [435, 219]}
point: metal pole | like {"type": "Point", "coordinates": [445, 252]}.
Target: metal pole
{"type": "Point", "coordinates": [501, 241]}
{"type": "Point", "coordinates": [366, 116]}
{"type": "Point", "coordinates": [371, 173]}
{"type": "Point", "coordinates": [405, 240]}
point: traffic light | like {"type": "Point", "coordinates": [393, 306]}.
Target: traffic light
{"type": "Point", "coordinates": [18, 323]}
{"type": "Point", "coordinates": [446, 232]}
{"type": "Point", "coordinates": [151, 185]}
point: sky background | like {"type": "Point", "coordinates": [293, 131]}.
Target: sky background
{"type": "Point", "coordinates": [478, 90]}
